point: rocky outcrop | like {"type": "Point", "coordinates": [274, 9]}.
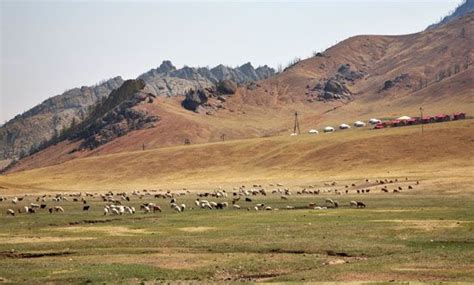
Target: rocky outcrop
{"type": "Point", "coordinates": [226, 87]}
{"type": "Point", "coordinates": [117, 115]}
{"type": "Point", "coordinates": [166, 80]}
{"type": "Point", "coordinates": [41, 123]}
{"type": "Point", "coordinates": [389, 84]}
{"type": "Point", "coordinates": [345, 72]}
{"type": "Point", "coordinates": [208, 100]}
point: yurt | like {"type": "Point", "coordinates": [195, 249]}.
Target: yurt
{"type": "Point", "coordinates": [374, 121]}
{"type": "Point", "coordinates": [329, 129]}
{"type": "Point", "coordinates": [344, 126]}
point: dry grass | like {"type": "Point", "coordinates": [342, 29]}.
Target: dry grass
{"type": "Point", "coordinates": [443, 154]}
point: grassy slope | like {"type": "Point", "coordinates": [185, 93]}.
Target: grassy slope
{"type": "Point", "coordinates": [445, 149]}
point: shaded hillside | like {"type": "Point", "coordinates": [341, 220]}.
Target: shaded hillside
{"type": "Point", "coordinates": [359, 78]}
{"type": "Point", "coordinates": [115, 116]}
{"type": "Point", "coordinates": [28, 130]}
{"type": "Point", "coordinates": [462, 10]}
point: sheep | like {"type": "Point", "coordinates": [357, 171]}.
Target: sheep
{"type": "Point", "coordinates": [183, 207]}
{"type": "Point", "coordinates": [247, 199]}
{"type": "Point", "coordinates": [256, 208]}
{"type": "Point", "coordinates": [106, 211]}
{"type": "Point", "coordinates": [360, 205]}
{"type": "Point", "coordinates": [268, 208]}
{"type": "Point", "coordinates": [86, 208]}
{"type": "Point", "coordinates": [284, 197]}
{"type": "Point", "coordinates": [235, 206]}
{"type": "Point", "coordinates": [34, 206]}
{"type": "Point", "coordinates": [59, 209]}
{"type": "Point", "coordinates": [10, 212]}
{"type": "Point", "coordinates": [329, 201]}
{"type": "Point", "coordinates": [410, 187]}
{"type": "Point", "coordinates": [290, 207]}
{"type": "Point", "coordinates": [43, 206]}
{"type": "Point", "coordinates": [353, 204]}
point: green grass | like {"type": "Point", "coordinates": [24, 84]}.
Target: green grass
{"type": "Point", "coordinates": [241, 245]}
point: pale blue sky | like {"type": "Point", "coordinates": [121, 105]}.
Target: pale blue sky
{"type": "Point", "coordinates": [50, 46]}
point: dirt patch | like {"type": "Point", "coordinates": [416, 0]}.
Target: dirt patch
{"type": "Point", "coordinates": [23, 239]}
{"type": "Point", "coordinates": [90, 222]}
{"type": "Point", "coordinates": [109, 230]}
{"type": "Point", "coordinates": [196, 229]}
{"type": "Point", "coordinates": [33, 255]}
{"type": "Point", "coordinates": [425, 225]}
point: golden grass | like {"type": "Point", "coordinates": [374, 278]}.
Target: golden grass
{"type": "Point", "coordinates": [444, 152]}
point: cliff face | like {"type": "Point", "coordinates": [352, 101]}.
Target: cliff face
{"type": "Point", "coordinates": [166, 80]}
{"type": "Point", "coordinates": [43, 121]}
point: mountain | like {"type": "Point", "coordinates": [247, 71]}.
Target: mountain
{"type": "Point", "coordinates": [361, 77]}
{"type": "Point", "coordinates": [166, 80]}
{"type": "Point", "coordinates": [27, 132]}
{"type": "Point", "coordinates": [463, 9]}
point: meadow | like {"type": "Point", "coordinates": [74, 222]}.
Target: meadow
{"type": "Point", "coordinates": [416, 235]}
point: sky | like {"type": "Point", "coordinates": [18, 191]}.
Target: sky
{"type": "Point", "coordinates": [48, 47]}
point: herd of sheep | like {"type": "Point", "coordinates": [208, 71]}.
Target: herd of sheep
{"type": "Point", "coordinates": [239, 198]}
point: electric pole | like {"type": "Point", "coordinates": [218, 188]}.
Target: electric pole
{"type": "Point", "coordinates": [297, 125]}
{"type": "Point", "coordinates": [421, 118]}
{"type": "Point", "coordinates": [223, 137]}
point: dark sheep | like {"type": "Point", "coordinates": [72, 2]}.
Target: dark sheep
{"type": "Point", "coordinates": [42, 206]}
{"type": "Point", "coordinates": [86, 208]}
{"type": "Point", "coordinates": [247, 199]}
{"type": "Point", "coordinates": [361, 205]}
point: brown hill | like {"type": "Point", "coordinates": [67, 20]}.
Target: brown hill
{"type": "Point", "coordinates": [359, 78]}
{"type": "Point", "coordinates": [444, 150]}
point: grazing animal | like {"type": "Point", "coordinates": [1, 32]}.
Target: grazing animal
{"type": "Point", "coordinates": [410, 187]}
{"type": "Point", "coordinates": [235, 206]}
{"type": "Point", "coordinates": [353, 204]}
{"type": "Point", "coordinates": [284, 198]}
{"type": "Point", "coordinates": [247, 199]}
{"type": "Point", "coordinates": [86, 208]}
{"type": "Point", "coordinates": [10, 212]}
{"type": "Point", "coordinates": [360, 205]}
{"type": "Point", "coordinates": [59, 209]}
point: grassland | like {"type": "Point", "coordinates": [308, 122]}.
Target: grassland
{"type": "Point", "coordinates": [412, 236]}
{"type": "Point", "coordinates": [424, 234]}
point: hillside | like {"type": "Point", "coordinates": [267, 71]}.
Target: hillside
{"type": "Point", "coordinates": [26, 132]}
{"type": "Point", "coordinates": [444, 149]}
{"type": "Point", "coordinates": [462, 10]}
{"type": "Point", "coordinates": [361, 77]}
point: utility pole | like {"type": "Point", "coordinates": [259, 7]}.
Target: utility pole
{"type": "Point", "coordinates": [223, 137]}
{"type": "Point", "coordinates": [421, 118]}
{"type": "Point", "coordinates": [297, 125]}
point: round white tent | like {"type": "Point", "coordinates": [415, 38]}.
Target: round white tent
{"type": "Point", "coordinates": [344, 126]}
{"type": "Point", "coordinates": [329, 129]}
{"type": "Point", "coordinates": [404, 118]}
